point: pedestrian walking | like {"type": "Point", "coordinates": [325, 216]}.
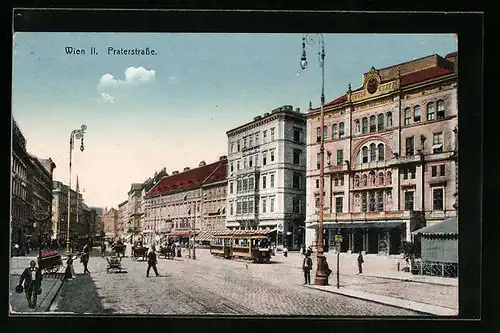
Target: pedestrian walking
{"type": "Point", "coordinates": [70, 271]}
{"type": "Point", "coordinates": [307, 267]}
{"type": "Point", "coordinates": [360, 263]}
{"type": "Point", "coordinates": [32, 278]}
{"type": "Point", "coordinates": [303, 249]}
{"type": "Point", "coordinates": [85, 261]}
{"type": "Point", "coordinates": [152, 263]}
{"type": "Point", "coordinates": [285, 251]}
{"type": "Point", "coordinates": [103, 248]}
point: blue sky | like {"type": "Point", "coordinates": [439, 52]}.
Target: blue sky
{"type": "Point", "coordinates": [173, 109]}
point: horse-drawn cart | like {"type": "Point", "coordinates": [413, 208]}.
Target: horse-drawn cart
{"type": "Point", "coordinates": [50, 262]}
{"type": "Point", "coordinates": [139, 252]}
{"type": "Point", "coordinates": [119, 249]}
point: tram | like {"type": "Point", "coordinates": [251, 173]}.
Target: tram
{"type": "Point", "coordinates": [248, 246]}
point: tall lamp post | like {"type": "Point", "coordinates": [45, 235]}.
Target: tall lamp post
{"type": "Point", "coordinates": [322, 270]}
{"type": "Point", "coordinates": [78, 134]}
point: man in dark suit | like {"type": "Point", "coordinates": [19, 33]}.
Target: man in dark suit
{"type": "Point", "coordinates": [32, 278]}
{"type": "Point", "coordinates": [152, 262]}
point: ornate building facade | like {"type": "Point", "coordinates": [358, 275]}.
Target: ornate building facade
{"type": "Point", "coordinates": [174, 203]}
{"type": "Point", "coordinates": [110, 222]}
{"type": "Point", "coordinates": [390, 156]}
{"type": "Point", "coordinates": [77, 226]}
{"type": "Point", "coordinates": [266, 175]}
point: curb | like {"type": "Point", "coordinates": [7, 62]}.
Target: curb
{"type": "Point", "coordinates": [55, 295]}
{"type": "Point", "coordinates": [406, 280]}
{"type": "Point", "coordinates": [387, 304]}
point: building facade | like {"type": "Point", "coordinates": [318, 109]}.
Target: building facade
{"type": "Point", "coordinates": [122, 219]}
{"type": "Point", "coordinates": [96, 222]}
{"type": "Point", "coordinates": [266, 175]}
{"type": "Point", "coordinates": [174, 203]}
{"type": "Point", "coordinates": [42, 171]}
{"type": "Point", "coordinates": [390, 156]}
{"type": "Point", "coordinates": [77, 225]}
{"type": "Point", "coordinates": [110, 223]}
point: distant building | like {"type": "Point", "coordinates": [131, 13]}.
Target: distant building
{"type": "Point", "coordinates": [96, 222]}
{"type": "Point", "coordinates": [110, 222]}
{"type": "Point", "coordinates": [266, 176]}
{"type": "Point", "coordinates": [174, 203]}
{"type": "Point", "coordinates": [390, 156]}
{"type": "Point", "coordinates": [122, 219]}
{"type": "Point", "coordinates": [78, 227]}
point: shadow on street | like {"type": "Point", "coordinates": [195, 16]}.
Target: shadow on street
{"type": "Point", "coordinates": [79, 296]}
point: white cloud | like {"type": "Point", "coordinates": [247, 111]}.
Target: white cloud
{"type": "Point", "coordinates": [133, 76]}
{"type": "Point", "coordinates": [107, 98]}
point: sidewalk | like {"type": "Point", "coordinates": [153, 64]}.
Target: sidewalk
{"type": "Point", "coordinates": [19, 303]}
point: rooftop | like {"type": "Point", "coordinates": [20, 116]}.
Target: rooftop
{"type": "Point", "coordinates": [207, 174]}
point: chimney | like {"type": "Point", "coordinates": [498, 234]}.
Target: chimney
{"type": "Point", "coordinates": [222, 158]}
{"type": "Point", "coordinates": [202, 163]}
{"type": "Point", "coordinates": [175, 172]}
{"type": "Point", "coordinates": [266, 114]}
{"type": "Point", "coordinates": [186, 169]}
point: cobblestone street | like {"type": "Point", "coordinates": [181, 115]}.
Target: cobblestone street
{"type": "Point", "coordinates": [206, 286]}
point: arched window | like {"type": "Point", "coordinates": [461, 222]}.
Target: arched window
{"type": "Point", "coordinates": [381, 152]}
{"type": "Point", "coordinates": [334, 131]}
{"type": "Point", "coordinates": [325, 132]}
{"type": "Point", "coordinates": [364, 154]}
{"type": "Point", "coordinates": [389, 177]}
{"type": "Point", "coordinates": [407, 116]}
{"type": "Point", "coordinates": [381, 178]}
{"type": "Point", "coordinates": [336, 181]}
{"type": "Point", "coordinates": [365, 125]}
{"type": "Point", "coordinates": [380, 122]}
{"type": "Point", "coordinates": [365, 180]}
{"type": "Point", "coordinates": [372, 177]}
{"type": "Point", "coordinates": [356, 181]}
{"type": "Point", "coordinates": [358, 126]}
{"type": "Point", "coordinates": [373, 125]}
{"type": "Point", "coordinates": [416, 113]}
{"type": "Point", "coordinates": [318, 134]}
{"type": "Point", "coordinates": [430, 111]}
{"type": "Point", "coordinates": [341, 130]}
{"type": "Point", "coordinates": [373, 152]}
{"type": "Point", "coordinates": [440, 109]}
{"type": "Point", "coordinates": [389, 119]}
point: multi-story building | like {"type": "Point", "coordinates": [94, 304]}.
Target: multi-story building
{"type": "Point", "coordinates": [122, 219]}
{"type": "Point", "coordinates": [21, 205]}
{"type": "Point", "coordinates": [42, 173]}
{"type": "Point", "coordinates": [96, 222]}
{"type": "Point", "coordinates": [266, 175]}
{"type": "Point", "coordinates": [134, 212]}
{"type": "Point", "coordinates": [110, 222]}
{"type": "Point", "coordinates": [78, 226]}
{"type": "Point", "coordinates": [390, 156]}
{"type": "Point", "coordinates": [174, 203]}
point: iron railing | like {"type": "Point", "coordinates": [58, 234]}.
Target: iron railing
{"type": "Point", "coordinates": [434, 268]}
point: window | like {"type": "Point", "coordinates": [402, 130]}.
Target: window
{"type": "Point", "coordinates": [244, 185]}
{"type": "Point", "coordinates": [381, 178]}
{"type": "Point", "coordinates": [334, 131]}
{"type": "Point", "coordinates": [381, 149]}
{"type": "Point", "coordinates": [244, 142]}
{"type": "Point", "coordinates": [256, 160]}
{"type": "Point", "coordinates": [363, 201]}
{"type": "Point", "coordinates": [389, 178]}
{"type": "Point", "coordinates": [256, 138]}
{"type": "Point", "coordinates": [410, 146]}
{"type": "Point", "coordinates": [231, 188]}
{"type": "Point", "coordinates": [437, 143]}
{"type": "Point", "coordinates": [296, 181]}
{"type": "Point", "coordinates": [341, 180]}
{"type": "Point", "coordinates": [264, 136]}
{"type": "Point", "coordinates": [264, 206]}
{"type": "Point", "coordinates": [296, 205]}
{"type": "Point", "coordinates": [296, 156]}
{"type": "Point", "coordinates": [407, 116]}
{"type": "Point", "coordinates": [272, 180]}
{"type": "Point", "coordinates": [437, 170]}
{"type": "Point", "coordinates": [356, 181]}
{"type": "Point", "coordinates": [440, 110]}
{"type": "Point", "coordinates": [317, 183]}
{"type": "Point", "coordinates": [325, 132]}
{"type": "Point", "coordinates": [409, 200]}
{"type": "Point", "coordinates": [430, 111]}
{"type": "Point", "coordinates": [340, 156]}
{"type": "Point", "coordinates": [405, 173]}
{"type": "Point", "coordinates": [358, 125]}
{"type": "Point", "coordinates": [250, 141]}
{"type": "Point", "coordinates": [272, 134]}
{"type": "Point", "coordinates": [365, 180]}
{"type": "Point", "coordinates": [244, 163]}
{"type": "Point", "coordinates": [238, 207]}
{"type": "Point", "coordinates": [318, 160]}
{"type": "Point", "coordinates": [416, 113]}
{"type": "Point", "coordinates": [373, 152]}
{"type": "Point", "coordinates": [328, 158]}
{"type": "Point", "coordinates": [316, 203]}
{"type": "Point", "coordinates": [238, 144]}
{"type": "Point", "coordinates": [231, 166]}
{"type": "Point", "coordinates": [341, 130]}
{"type": "Point", "coordinates": [264, 158]}
{"type": "Point", "coordinates": [237, 165]}
{"type": "Point", "coordinates": [336, 181]}
{"type": "Point", "coordinates": [296, 135]}
{"type": "Point", "coordinates": [232, 147]}
{"type": "Point", "coordinates": [373, 125]}
{"type": "Point", "coordinates": [271, 203]}
{"type": "Point", "coordinates": [365, 125]}
{"type": "Point", "coordinates": [250, 183]}
{"type": "Point", "coordinates": [380, 122]}
{"type": "Point", "coordinates": [437, 199]}
{"type": "Point", "coordinates": [272, 155]}
{"type": "Point", "coordinates": [380, 201]}
{"type": "Point", "coordinates": [318, 134]}
{"type": "Point", "coordinates": [244, 207]}
{"type": "Point", "coordinates": [364, 154]}
{"type": "Point", "coordinates": [338, 204]}
{"type": "Point", "coordinates": [263, 182]}
{"type": "Point", "coordinates": [250, 161]}
{"type": "Point", "coordinates": [389, 119]}
{"type": "Point", "coordinates": [372, 178]}
{"type": "Point", "coordinates": [250, 207]}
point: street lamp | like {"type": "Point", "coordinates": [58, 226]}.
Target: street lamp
{"type": "Point", "coordinates": [322, 270]}
{"type": "Point", "coordinates": [78, 134]}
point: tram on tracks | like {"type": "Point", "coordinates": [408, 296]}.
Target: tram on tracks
{"type": "Point", "coordinates": [251, 245]}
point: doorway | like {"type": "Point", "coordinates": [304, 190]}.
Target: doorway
{"type": "Point", "coordinates": [358, 241]}
{"type": "Point", "coordinates": [395, 241]}
{"type": "Point", "coordinates": [372, 241]}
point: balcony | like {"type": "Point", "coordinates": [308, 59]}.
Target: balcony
{"type": "Point", "coordinates": [330, 167]}
{"type": "Point", "coordinates": [374, 165]}
{"type": "Point", "coordinates": [384, 215]}
{"type": "Point", "coordinates": [408, 159]}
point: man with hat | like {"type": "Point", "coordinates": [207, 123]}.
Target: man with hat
{"type": "Point", "coordinates": [32, 278]}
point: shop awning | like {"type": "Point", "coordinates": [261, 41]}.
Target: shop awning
{"type": "Point", "coordinates": [244, 232]}
{"type": "Point", "coordinates": [448, 227]}
{"type": "Point", "coordinates": [180, 234]}
{"type": "Point", "coordinates": [206, 235]}
{"type": "Point", "coordinates": [357, 225]}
